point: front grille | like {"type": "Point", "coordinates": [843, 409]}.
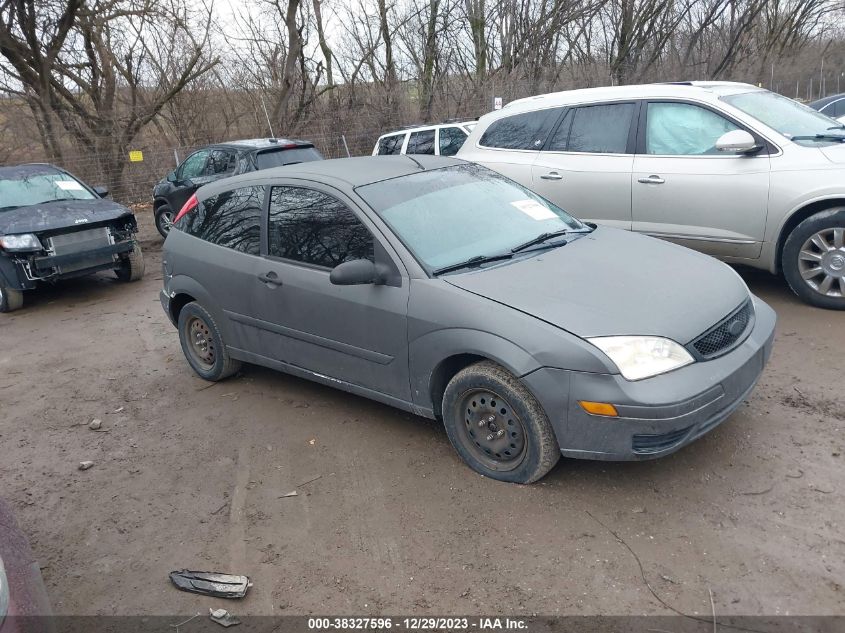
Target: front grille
{"type": "Point", "coordinates": [645, 444]}
{"type": "Point", "coordinates": [80, 242]}
{"type": "Point", "coordinates": [722, 337]}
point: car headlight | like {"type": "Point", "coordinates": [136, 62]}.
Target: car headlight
{"type": "Point", "coordinates": [4, 592]}
{"type": "Point", "coordinates": [639, 357]}
{"type": "Point", "coordinates": [22, 242]}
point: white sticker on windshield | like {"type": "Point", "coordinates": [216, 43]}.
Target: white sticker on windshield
{"type": "Point", "coordinates": [534, 209]}
{"type": "Point", "coordinates": [69, 185]}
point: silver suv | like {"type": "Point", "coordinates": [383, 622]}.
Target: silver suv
{"type": "Point", "coordinates": [740, 173]}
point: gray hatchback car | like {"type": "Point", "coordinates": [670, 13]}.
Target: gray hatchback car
{"type": "Point", "coordinates": [447, 290]}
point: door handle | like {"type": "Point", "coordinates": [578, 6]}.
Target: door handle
{"type": "Point", "coordinates": [552, 175]}
{"type": "Point", "coordinates": [651, 180]}
{"type": "Point", "coordinates": [271, 279]}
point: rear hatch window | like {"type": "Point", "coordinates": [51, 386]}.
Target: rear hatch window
{"type": "Point", "coordinates": [278, 157]}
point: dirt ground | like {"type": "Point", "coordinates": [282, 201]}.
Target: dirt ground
{"type": "Point", "coordinates": [192, 475]}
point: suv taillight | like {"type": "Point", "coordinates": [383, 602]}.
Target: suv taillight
{"type": "Point", "coordinates": [189, 206]}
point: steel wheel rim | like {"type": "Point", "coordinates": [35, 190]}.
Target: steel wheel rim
{"type": "Point", "coordinates": [491, 431]}
{"type": "Point", "coordinates": [200, 342]}
{"type": "Point", "coordinates": [821, 262]}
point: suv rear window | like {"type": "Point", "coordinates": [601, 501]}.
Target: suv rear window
{"type": "Point", "coordinates": [598, 129]}
{"type": "Point", "coordinates": [521, 131]}
{"type": "Point", "coordinates": [421, 142]}
{"type": "Point", "coordinates": [278, 157]}
{"type": "Point", "coordinates": [388, 145]}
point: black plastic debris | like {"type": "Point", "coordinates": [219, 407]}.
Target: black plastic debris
{"type": "Point", "coordinates": [210, 583]}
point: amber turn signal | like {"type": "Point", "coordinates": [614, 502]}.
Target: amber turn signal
{"type": "Point", "coordinates": [599, 408]}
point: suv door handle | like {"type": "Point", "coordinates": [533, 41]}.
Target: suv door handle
{"type": "Point", "coordinates": [651, 180]}
{"type": "Point", "coordinates": [552, 175]}
{"type": "Point", "coordinates": [271, 279]}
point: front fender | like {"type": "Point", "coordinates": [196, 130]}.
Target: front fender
{"type": "Point", "coordinates": [426, 354]}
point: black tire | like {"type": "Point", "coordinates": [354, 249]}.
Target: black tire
{"type": "Point", "coordinates": [132, 266]}
{"type": "Point", "coordinates": [11, 299]}
{"type": "Point", "coordinates": [194, 320]}
{"type": "Point", "coordinates": [484, 400]}
{"type": "Point", "coordinates": [799, 259]}
{"type": "Point", "coordinates": [164, 219]}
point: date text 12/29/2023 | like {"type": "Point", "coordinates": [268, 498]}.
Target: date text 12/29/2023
{"type": "Point", "coordinates": [479, 623]}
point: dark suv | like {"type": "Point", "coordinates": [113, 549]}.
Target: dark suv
{"type": "Point", "coordinates": [221, 161]}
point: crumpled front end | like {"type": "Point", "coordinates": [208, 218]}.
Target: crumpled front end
{"type": "Point", "coordinates": [75, 251]}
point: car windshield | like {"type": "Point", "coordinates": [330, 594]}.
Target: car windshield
{"type": "Point", "coordinates": [279, 157]}
{"type": "Point", "coordinates": [449, 215]}
{"type": "Point", "coordinates": [792, 119]}
{"type": "Point", "coordinates": [35, 188]}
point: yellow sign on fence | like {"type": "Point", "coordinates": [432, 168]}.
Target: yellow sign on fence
{"type": "Point", "coordinates": [136, 156]}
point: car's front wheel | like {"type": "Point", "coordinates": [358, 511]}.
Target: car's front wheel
{"type": "Point", "coordinates": [814, 259]}
{"type": "Point", "coordinates": [202, 343]}
{"type": "Point", "coordinates": [10, 298]}
{"type": "Point", "coordinates": [132, 266]}
{"type": "Point", "coordinates": [497, 426]}
{"type": "Point", "coordinates": [164, 219]}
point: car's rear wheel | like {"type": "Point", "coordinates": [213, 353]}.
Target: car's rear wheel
{"type": "Point", "coordinates": [10, 298]}
{"type": "Point", "coordinates": [164, 219]}
{"type": "Point", "coordinates": [814, 259]}
{"type": "Point", "coordinates": [202, 343]}
{"type": "Point", "coordinates": [497, 426]}
{"type": "Point", "coordinates": [132, 266]}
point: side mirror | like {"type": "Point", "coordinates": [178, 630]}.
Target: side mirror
{"type": "Point", "coordinates": [171, 176]}
{"type": "Point", "coordinates": [354, 272]}
{"type": "Point", "coordinates": [736, 142]}
{"type": "Point", "coordinates": [103, 192]}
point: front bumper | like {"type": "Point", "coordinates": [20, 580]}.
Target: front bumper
{"type": "Point", "coordinates": [659, 415]}
{"type": "Point", "coordinates": [82, 261]}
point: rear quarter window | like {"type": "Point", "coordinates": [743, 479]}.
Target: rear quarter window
{"type": "Point", "coordinates": [520, 131]}
{"type": "Point", "coordinates": [231, 219]}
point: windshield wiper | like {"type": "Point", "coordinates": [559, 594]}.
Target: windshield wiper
{"type": "Point", "coordinates": [10, 207]}
{"type": "Point", "coordinates": [539, 239]}
{"type": "Point", "coordinates": [841, 126]}
{"type": "Point", "coordinates": [472, 261]}
{"type": "Point", "coordinates": [815, 137]}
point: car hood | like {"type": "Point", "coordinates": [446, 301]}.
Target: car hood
{"type": "Point", "coordinates": [58, 215]}
{"type": "Point", "coordinates": [613, 282]}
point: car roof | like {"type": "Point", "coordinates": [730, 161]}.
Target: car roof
{"type": "Point", "coordinates": [413, 128]}
{"type": "Point", "coordinates": [701, 89]}
{"type": "Point", "coordinates": [820, 103]}
{"type": "Point", "coordinates": [264, 143]}
{"type": "Point", "coordinates": [28, 169]}
{"type": "Point", "coordinates": [344, 173]}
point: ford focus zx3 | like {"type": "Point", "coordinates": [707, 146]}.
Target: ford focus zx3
{"type": "Point", "coordinates": [442, 288]}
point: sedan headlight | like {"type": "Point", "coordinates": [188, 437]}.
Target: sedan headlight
{"type": "Point", "coordinates": [639, 357]}
{"type": "Point", "coordinates": [19, 243]}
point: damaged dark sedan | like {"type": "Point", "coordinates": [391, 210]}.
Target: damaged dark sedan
{"type": "Point", "coordinates": [53, 226]}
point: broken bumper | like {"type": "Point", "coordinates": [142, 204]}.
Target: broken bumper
{"type": "Point", "coordinates": [82, 261]}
